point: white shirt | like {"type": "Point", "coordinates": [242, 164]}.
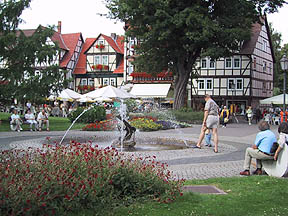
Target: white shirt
{"type": "Point", "coordinates": [29, 116]}
{"type": "Point", "coordinates": [15, 116]}
{"type": "Point", "coordinates": [41, 116]}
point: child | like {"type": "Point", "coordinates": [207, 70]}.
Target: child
{"type": "Point", "coordinates": [208, 136]}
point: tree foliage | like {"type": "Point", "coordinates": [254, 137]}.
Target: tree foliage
{"type": "Point", "coordinates": [27, 67]}
{"type": "Point", "coordinates": [174, 34]}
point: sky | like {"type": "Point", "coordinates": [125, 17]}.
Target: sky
{"type": "Point", "coordinates": [83, 16]}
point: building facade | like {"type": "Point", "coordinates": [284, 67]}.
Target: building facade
{"type": "Point", "coordinates": [101, 63]}
{"type": "Point", "coordinates": [242, 79]}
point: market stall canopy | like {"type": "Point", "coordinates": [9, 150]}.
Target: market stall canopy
{"type": "Point", "coordinates": [68, 94]}
{"type": "Point", "coordinates": [275, 100]}
{"type": "Point", "coordinates": [109, 92]}
{"type": "Point", "coordinates": [150, 90]}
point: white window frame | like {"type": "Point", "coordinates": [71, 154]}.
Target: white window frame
{"type": "Point", "coordinates": [206, 84]}
{"type": "Point", "coordinates": [239, 59]}
{"type": "Point", "coordinates": [230, 62]}
{"type": "Point", "coordinates": [113, 81]}
{"type": "Point", "coordinates": [264, 66]}
{"type": "Point", "coordinates": [200, 82]}
{"type": "Point", "coordinates": [83, 81]}
{"type": "Point", "coordinates": [91, 82]}
{"type": "Point", "coordinates": [228, 83]}
{"type": "Point", "coordinates": [264, 45]}
{"type": "Point", "coordinates": [202, 60]}
{"type": "Point", "coordinates": [101, 41]}
{"type": "Point", "coordinates": [107, 58]}
{"type": "Point", "coordinates": [214, 64]}
{"type": "Point", "coordinates": [236, 83]}
{"type": "Point", "coordinates": [95, 59]}
{"type": "Point", "coordinates": [106, 80]}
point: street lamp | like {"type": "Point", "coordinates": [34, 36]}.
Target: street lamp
{"type": "Point", "coordinates": [284, 66]}
{"type": "Point", "coordinates": [233, 90]}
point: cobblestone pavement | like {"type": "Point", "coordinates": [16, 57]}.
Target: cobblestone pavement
{"type": "Point", "coordinates": [185, 163]}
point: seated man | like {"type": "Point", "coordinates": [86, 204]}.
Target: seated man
{"type": "Point", "coordinates": [260, 150]}
{"type": "Point", "coordinates": [16, 121]}
{"type": "Point", "coordinates": [43, 118]}
{"type": "Point", "coordinates": [30, 119]}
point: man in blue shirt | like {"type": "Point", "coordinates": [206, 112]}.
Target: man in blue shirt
{"type": "Point", "coordinates": [260, 150]}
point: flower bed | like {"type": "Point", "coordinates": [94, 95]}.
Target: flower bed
{"type": "Point", "coordinates": [145, 124]}
{"type": "Point", "coordinates": [64, 179]}
{"type": "Point", "coordinates": [106, 125]}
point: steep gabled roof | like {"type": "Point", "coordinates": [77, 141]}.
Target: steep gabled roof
{"type": "Point", "coordinates": [249, 45]}
{"type": "Point", "coordinates": [117, 45]}
{"type": "Point", "coordinates": [56, 37]}
{"type": "Point", "coordinates": [70, 41]}
{"type": "Point", "coordinates": [81, 64]}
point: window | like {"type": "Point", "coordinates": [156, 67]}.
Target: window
{"type": "Point", "coordinates": [270, 67]}
{"type": "Point", "coordinates": [113, 82]}
{"type": "Point", "coordinates": [83, 81]}
{"type": "Point", "coordinates": [236, 62]}
{"type": "Point", "coordinates": [239, 84]}
{"type": "Point", "coordinates": [91, 81]}
{"type": "Point", "coordinates": [100, 42]}
{"type": "Point", "coordinates": [106, 81]}
{"type": "Point", "coordinates": [254, 63]}
{"type": "Point", "coordinates": [201, 84]}
{"type": "Point", "coordinates": [97, 59]}
{"type": "Point", "coordinates": [212, 63]}
{"type": "Point", "coordinates": [231, 84]}
{"type": "Point", "coordinates": [264, 66]}
{"type": "Point", "coordinates": [209, 84]}
{"type": "Point", "coordinates": [203, 63]}
{"type": "Point", "coordinates": [265, 45]}
{"type": "Point", "coordinates": [228, 63]}
{"type": "Point", "coordinates": [105, 59]}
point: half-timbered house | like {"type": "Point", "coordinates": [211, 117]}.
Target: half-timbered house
{"type": "Point", "coordinates": [242, 79]}
{"type": "Point", "coordinates": [101, 62]}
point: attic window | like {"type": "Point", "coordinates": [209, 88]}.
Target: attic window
{"type": "Point", "coordinates": [265, 45]}
{"type": "Point", "coordinates": [100, 42]}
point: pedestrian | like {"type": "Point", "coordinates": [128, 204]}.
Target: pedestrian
{"type": "Point", "coordinates": [261, 150]}
{"type": "Point", "coordinates": [224, 116]}
{"type": "Point", "coordinates": [249, 113]}
{"type": "Point", "coordinates": [208, 136]}
{"type": "Point", "coordinates": [210, 121]}
{"type": "Point", "coordinates": [30, 119]}
{"type": "Point", "coordinates": [258, 115]}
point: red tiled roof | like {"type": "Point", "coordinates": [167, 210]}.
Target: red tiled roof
{"type": "Point", "coordinates": [116, 45]}
{"type": "Point", "coordinates": [120, 68]}
{"type": "Point", "coordinates": [71, 41]}
{"type": "Point", "coordinates": [81, 64]}
{"type": "Point", "coordinates": [56, 37]}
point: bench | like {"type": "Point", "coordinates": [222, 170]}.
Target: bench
{"type": "Point", "coordinates": [277, 168]}
{"type": "Point", "coordinates": [13, 126]}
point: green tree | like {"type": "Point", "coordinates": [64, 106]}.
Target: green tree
{"type": "Point", "coordinates": [174, 34]}
{"type": "Point", "coordinates": [28, 62]}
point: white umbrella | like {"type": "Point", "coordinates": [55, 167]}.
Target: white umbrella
{"type": "Point", "coordinates": [68, 94]}
{"type": "Point", "coordinates": [109, 92]}
{"type": "Point", "coordinates": [103, 99]}
{"type": "Point", "coordinates": [275, 100]}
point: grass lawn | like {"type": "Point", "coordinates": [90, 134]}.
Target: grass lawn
{"type": "Point", "coordinates": [255, 195]}
{"type": "Point", "coordinates": [56, 123]}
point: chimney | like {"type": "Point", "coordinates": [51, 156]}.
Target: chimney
{"type": "Point", "coordinates": [114, 36]}
{"type": "Point", "coordinates": [59, 26]}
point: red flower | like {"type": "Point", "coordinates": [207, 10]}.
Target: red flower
{"type": "Point", "coordinates": [97, 46]}
{"type": "Point", "coordinates": [102, 46]}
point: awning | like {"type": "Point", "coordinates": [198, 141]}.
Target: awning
{"type": "Point", "coordinates": [150, 90]}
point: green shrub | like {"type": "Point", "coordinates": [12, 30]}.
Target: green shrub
{"type": "Point", "coordinates": [96, 113]}
{"type": "Point", "coordinates": [145, 124]}
{"type": "Point", "coordinates": [131, 104]}
{"type": "Point", "coordinates": [63, 179]}
{"type": "Point", "coordinates": [190, 117]}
